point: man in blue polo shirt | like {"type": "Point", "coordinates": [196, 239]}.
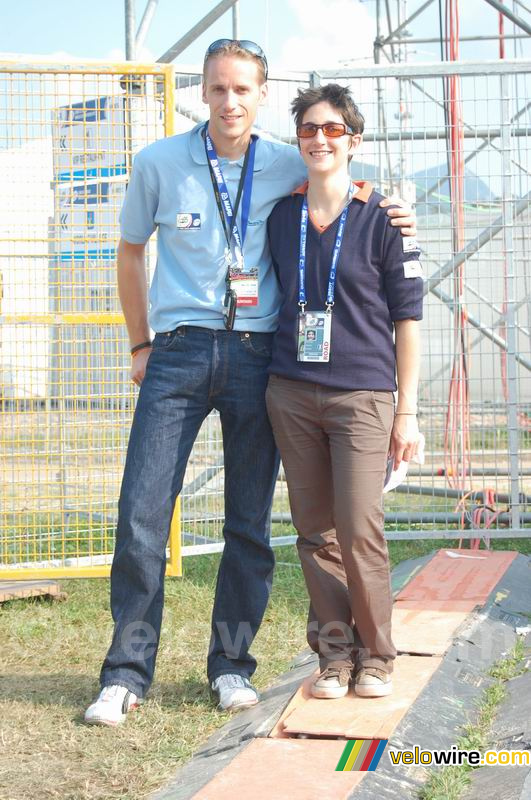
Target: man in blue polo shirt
{"type": "Point", "coordinates": [213, 306]}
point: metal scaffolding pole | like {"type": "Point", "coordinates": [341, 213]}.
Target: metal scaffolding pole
{"type": "Point", "coordinates": [486, 141]}
{"type": "Point", "coordinates": [502, 319]}
{"type": "Point", "coordinates": [382, 120]}
{"type": "Point", "coordinates": [488, 332]}
{"type": "Point", "coordinates": [518, 21]}
{"type": "Point", "coordinates": [392, 35]}
{"type": "Point", "coordinates": [145, 23]}
{"type": "Point", "coordinates": [508, 216]}
{"type": "Point", "coordinates": [236, 20]}
{"type": "Point", "coordinates": [130, 25]}
{"type": "Point", "coordinates": [203, 25]}
{"type": "Point", "coordinates": [474, 245]}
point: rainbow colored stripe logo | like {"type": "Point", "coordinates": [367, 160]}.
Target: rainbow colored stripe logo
{"type": "Point", "coordinates": [361, 755]}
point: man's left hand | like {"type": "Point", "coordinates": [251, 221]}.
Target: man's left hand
{"type": "Point", "coordinates": [404, 217]}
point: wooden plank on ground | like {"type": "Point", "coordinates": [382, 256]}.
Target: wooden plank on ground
{"type": "Point", "coordinates": [16, 590]}
{"type": "Point", "coordinates": [294, 768]}
{"type": "Point", "coordinates": [421, 631]}
{"type": "Point", "coordinates": [457, 576]}
{"type": "Point", "coordinates": [355, 717]}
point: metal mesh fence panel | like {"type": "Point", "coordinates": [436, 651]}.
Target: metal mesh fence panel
{"type": "Point", "coordinates": [67, 138]}
{"type": "Point", "coordinates": [66, 144]}
{"type": "Point", "coordinates": [475, 253]}
{"type": "Point", "coordinates": [475, 482]}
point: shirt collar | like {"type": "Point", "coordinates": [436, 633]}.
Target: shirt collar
{"type": "Point", "coordinates": [364, 190]}
{"type": "Point", "coordinates": [198, 152]}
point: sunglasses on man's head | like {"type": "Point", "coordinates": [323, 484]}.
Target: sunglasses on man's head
{"type": "Point", "coordinates": [331, 130]}
{"type": "Point", "coordinates": [245, 44]}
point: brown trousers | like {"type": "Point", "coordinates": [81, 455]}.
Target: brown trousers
{"type": "Point", "coordinates": [334, 448]}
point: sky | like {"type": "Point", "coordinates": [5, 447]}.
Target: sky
{"type": "Point", "coordinates": [296, 34]}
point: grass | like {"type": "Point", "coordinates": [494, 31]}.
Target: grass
{"type": "Point", "coordinates": [49, 663]}
{"type": "Point", "coordinates": [51, 655]}
{"type": "Point", "coordinates": [449, 783]}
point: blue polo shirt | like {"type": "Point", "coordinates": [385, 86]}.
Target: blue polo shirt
{"type": "Point", "coordinates": [170, 190]}
{"type": "Point", "coordinates": [373, 290]}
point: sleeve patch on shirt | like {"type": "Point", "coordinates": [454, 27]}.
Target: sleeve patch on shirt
{"type": "Point", "coordinates": [189, 221]}
{"type": "Point", "coordinates": [409, 244]}
{"type": "Point", "coordinates": [412, 269]}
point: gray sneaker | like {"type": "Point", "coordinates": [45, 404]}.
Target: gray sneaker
{"type": "Point", "coordinates": [372, 682]}
{"type": "Point", "coordinates": [234, 692]}
{"type": "Point", "coordinates": [332, 683]}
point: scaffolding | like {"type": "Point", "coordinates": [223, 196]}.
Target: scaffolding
{"type": "Point", "coordinates": [58, 380]}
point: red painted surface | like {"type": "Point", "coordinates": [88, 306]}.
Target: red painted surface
{"type": "Point", "coordinates": [457, 576]}
{"type": "Point", "coordinates": [298, 769]}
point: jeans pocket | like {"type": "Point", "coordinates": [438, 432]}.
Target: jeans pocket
{"type": "Point", "coordinates": [258, 344]}
{"type": "Point", "coordinates": [167, 341]}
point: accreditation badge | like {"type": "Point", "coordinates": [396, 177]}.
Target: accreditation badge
{"type": "Point", "coordinates": [245, 284]}
{"type": "Point", "coordinates": [314, 330]}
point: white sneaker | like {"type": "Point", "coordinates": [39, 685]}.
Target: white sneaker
{"type": "Point", "coordinates": [234, 691]}
{"type": "Point", "coordinates": [111, 706]}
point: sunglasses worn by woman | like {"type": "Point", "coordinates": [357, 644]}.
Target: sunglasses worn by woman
{"type": "Point", "coordinates": [332, 130]}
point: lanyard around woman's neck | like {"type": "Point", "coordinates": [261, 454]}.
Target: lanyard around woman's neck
{"type": "Point", "coordinates": [335, 256]}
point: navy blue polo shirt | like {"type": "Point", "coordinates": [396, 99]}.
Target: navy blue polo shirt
{"type": "Point", "coordinates": [373, 290]}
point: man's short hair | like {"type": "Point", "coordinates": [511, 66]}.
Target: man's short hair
{"type": "Point", "coordinates": [339, 97]}
{"type": "Point", "coordinates": [234, 49]}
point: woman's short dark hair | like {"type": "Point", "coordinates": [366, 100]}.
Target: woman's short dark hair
{"type": "Point", "coordinates": [337, 96]}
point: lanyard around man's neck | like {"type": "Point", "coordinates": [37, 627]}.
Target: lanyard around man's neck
{"type": "Point", "coordinates": [228, 214]}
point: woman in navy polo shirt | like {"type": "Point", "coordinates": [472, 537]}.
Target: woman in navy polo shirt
{"type": "Point", "coordinates": [349, 281]}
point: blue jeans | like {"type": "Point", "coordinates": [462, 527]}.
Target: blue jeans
{"type": "Point", "coordinates": [190, 372]}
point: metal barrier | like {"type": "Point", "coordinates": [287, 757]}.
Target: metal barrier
{"type": "Point", "coordinates": [66, 142]}
{"type": "Point", "coordinates": [475, 481]}
{"type": "Point", "coordinates": [67, 137]}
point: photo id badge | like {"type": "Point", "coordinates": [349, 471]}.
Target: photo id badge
{"type": "Point", "coordinates": [314, 336]}
{"type": "Point", "coordinates": [245, 284]}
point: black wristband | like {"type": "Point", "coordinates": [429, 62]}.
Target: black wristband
{"type": "Point", "coordinates": [140, 346]}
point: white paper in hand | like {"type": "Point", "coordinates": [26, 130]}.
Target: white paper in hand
{"type": "Point", "coordinates": [394, 477]}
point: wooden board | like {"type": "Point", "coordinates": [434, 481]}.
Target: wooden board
{"type": "Point", "coordinates": [457, 576]}
{"type": "Point", "coordinates": [16, 590]}
{"type": "Point", "coordinates": [421, 631]}
{"type": "Point", "coordinates": [273, 768]}
{"type": "Point", "coordinates": [355, 717]}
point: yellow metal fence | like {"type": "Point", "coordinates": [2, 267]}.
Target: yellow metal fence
{"type": "Point", "coordinates": [67, 139]}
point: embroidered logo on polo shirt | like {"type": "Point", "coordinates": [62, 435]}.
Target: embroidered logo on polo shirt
{"type": "Point", "coordinates": [189, 222]}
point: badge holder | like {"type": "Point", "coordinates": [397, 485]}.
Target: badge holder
{"type": "Point", "coordinates": [313, 335]}
{"type": "Point", "coordinates": [229, 308]}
